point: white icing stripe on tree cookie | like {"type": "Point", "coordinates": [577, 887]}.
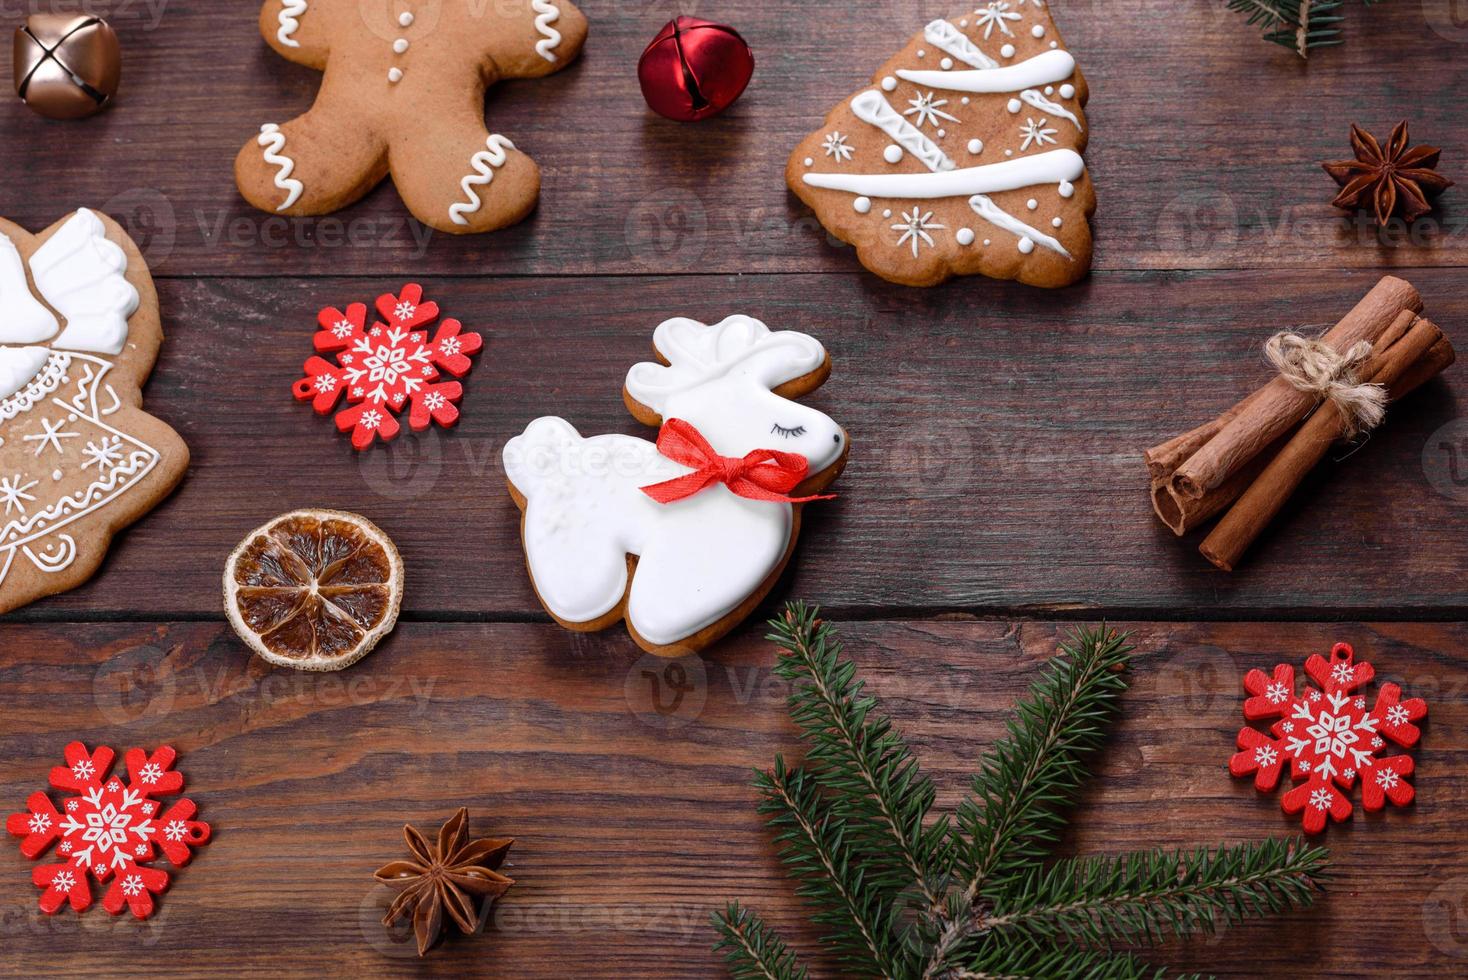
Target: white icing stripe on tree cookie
{"type": "Point", "coordinates": [1042, 168]}
{"type": "Point", "coordinates": [548, 14]}
{"type": "Point", "coordinates": [1039, 101]}
{"type": "Point", "coordinates": [943, 35]}
{"type": "Point", "coordinates": [1043, 69]}
{"type": "Point", "coordinates": [83, 276]}
{"type": "Point", "coordinates": [484, 163]}
{"type": "Point", "coordinates": [290, 13]}
{"type": "Point", "coordinates": [25, 321]}
{"type": "Point", "coordinates": [870, 107]}
{"type": "Point", "coordinates": [273, 141]}
{"type": "Point", "coordinates": [997, 216]}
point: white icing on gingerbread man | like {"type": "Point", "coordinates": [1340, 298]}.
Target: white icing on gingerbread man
{"type": "Point", "coordinates": [701, 558]}
{"type": "Point", "coordinates": [402, 96]}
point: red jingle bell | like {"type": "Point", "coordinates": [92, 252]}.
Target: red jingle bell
{"type": "Point", "coordinates": [694, 69]}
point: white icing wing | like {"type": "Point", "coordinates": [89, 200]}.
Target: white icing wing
{"type": "Point", "coordinates": [584, 512]}
{"type": "Point", "coordinates": [83, 276]}
{"type": "Point", "coordinates": [25, 321]}
{"type": "Point", "coordinates": [699, 354]}
{"type": "Point", "coordinates": [18, 365]}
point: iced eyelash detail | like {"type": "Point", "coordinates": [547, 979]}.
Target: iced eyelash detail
{"type": "Point", "coordinates": [780, 430]}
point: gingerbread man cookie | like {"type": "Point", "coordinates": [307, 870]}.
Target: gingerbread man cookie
{"type": "Point", "coordinates": [79, 459]}
{"type": "Point", "coordinates": [403, 94]}
{"type": "Point", "coordinates": [963, 155]}
{"type": "Point", "coordinates": [684, 537]}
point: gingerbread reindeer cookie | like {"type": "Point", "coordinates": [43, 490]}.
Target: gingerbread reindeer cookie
{"type": "Point", "coordinates": [682, 538]}
{"type": "Point", "coordinates": [79, 459]}
{"type": "Point", "coordinates": [403, 94]}
{"type": "Point", "coordinates": [962, 157]}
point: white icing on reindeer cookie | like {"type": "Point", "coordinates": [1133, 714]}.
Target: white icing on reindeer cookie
{"type": "Point", "coordinates": [699, 558]}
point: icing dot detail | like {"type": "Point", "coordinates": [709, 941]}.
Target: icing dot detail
{"type": "Point", "coordinates": [1049, 89]}
{"type": "Point", "coordinates": [1007, 51]}
{"type": "Point", "coordinates": [946, 64]}
{"type": "Point", "coordinates": [1038, 30]}
{"type": "Point", "coordinates": [863, 205]}
{"type": "Point", "coordinates": [893, 154]}
{"type": "Point", "coordinates": [394, 75]}
{"type": "Point", "coordinates": [405, 19]}
{"type": "Point", "coordinates": [1057, 222]}
{"type": "Point", "coordinates": [1026, 245]}
{"type": "Point", "coordinates": [976, 147]}
{"type": "Point", "coordinates": [942, 133]}
{"type": "Point", "coordinates": [1032, 204]}
{"type": "Point", "coordinates": [988, 241]}
{"type": "Point", "coordinates": [809, 162]}
{"type": "Point", "coordinates": [889, 84]}
{"type": "Point", "coordinates": [1015, 105]}
{"type": "Point", "coordinates": [887, 213]}
{"type": "Point", "coordinates": [1067, 91]}
{"type": "Point", "coordinates": [57, 475]}
{"type": "Point", "coordinates": [1067, 189]}
{"type": "Point", "coordinates": [921, 53]}
{"type": "Point", "coordinates": [965, 236]}
{"type": "Point", "coordinates": [400, 45]}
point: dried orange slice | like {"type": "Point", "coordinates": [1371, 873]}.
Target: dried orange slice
{"type": "Point", "coordinates": [314, 590]}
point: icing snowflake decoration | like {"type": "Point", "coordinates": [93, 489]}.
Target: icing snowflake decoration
{"type": "Point", "coordinates": [996, 14]}
{"type": "Point", "coordinates": [1035, 134]}
{"type": "Point", "coordinates": [110, 830]}
{"type": "Point", "coordinates": [917, 227]}
{"type": "Point", "coordinates": [1331, 737]}
{"type": "Point", "coordinates": [928, 108]}
{"type": "Point", "coordinates": [836, 145]}
{"type": "Point", "coordinates": [388, 367]}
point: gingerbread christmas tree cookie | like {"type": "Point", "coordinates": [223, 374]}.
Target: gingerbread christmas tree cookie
{"type": "Point", "coordinates": [79, 458]}
{"type": "Point", "coordinates": [403, 95]}
{"type": "Point", "coordinates": [963, 156]}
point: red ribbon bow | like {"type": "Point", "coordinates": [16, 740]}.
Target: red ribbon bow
{"type": "Point", "coordinates": [765, 474]}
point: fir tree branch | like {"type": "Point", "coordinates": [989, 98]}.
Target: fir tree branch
{"type": "Point", "coordinates": [752, 949]}
{"type": "Point", "coordinates": [814, 849]}
{"type": "Point", "coordinates": [1142, 897]}
{"type": "Point", "coordinates": [1024, 960]}
{"type": "Point", "coordinates": [1300, 25]}
{"type": "Point", "coordinates": [1028, 777]}
{"type": "Point", "coordinates": [880, 792]}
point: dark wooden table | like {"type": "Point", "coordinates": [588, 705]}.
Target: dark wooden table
{"type": "Point", "coordinates": [995, 494]}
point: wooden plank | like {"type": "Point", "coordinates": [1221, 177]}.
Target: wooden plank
{"type": "Point", "coordinates": [996, 464]}
{"type": "Point", "coordinates": [1206, 150]}
{"type": "Point", "coordinates": [633, 825]}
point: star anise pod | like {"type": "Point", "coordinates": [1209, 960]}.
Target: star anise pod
{"type": "Point", "coordinates": [443, 877]}
{"type": "Point", "coordinates": [1385, 179]}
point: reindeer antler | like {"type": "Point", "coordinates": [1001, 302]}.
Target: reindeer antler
{"type": "Point", "coordinates": [698, 353]}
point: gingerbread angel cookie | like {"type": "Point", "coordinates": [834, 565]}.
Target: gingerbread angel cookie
{"type": "Point", "coordinates": [79, 459]}
{"type": "Point", "coordinates": [963, 157]}
{"type": "Point", "coordinates": [403, 94]}
{"type": "Point", "coordinates": [682, 538]}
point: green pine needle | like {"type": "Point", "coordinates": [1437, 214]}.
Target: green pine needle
{"type": "Point", "coordinates": [909, 895]}
{"type": "Point", "coordinates": [752, 950]}
{"type": "Point", "coordinates": [1144, 897]}
{"type": "Point", "coordinates": [1300, 25]}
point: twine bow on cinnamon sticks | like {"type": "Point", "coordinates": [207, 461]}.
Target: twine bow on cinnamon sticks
{"type": "Point", "coordinates": [1252, 459]}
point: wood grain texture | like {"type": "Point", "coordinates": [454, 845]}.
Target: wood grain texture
{"type": "Point", "coordinates": [1206, 154]}
{"type": "Point", "coordinates": [996, 461]}
{"type": "Point", "coordinates": [631, 825]}
{"type": "Point", "coordinates": [996, 472]}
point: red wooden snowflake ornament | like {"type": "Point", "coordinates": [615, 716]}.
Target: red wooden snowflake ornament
{"type": "Point", "coordinates": [389, 366]}
{"type": "Point", "coordinates": [1330, 735]}
{"type": "Point", "coordinates": [109, 830]}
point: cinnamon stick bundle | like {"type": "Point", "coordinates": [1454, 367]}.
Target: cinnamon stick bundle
{"type": "Point", "coordinates": [1255, 455]}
